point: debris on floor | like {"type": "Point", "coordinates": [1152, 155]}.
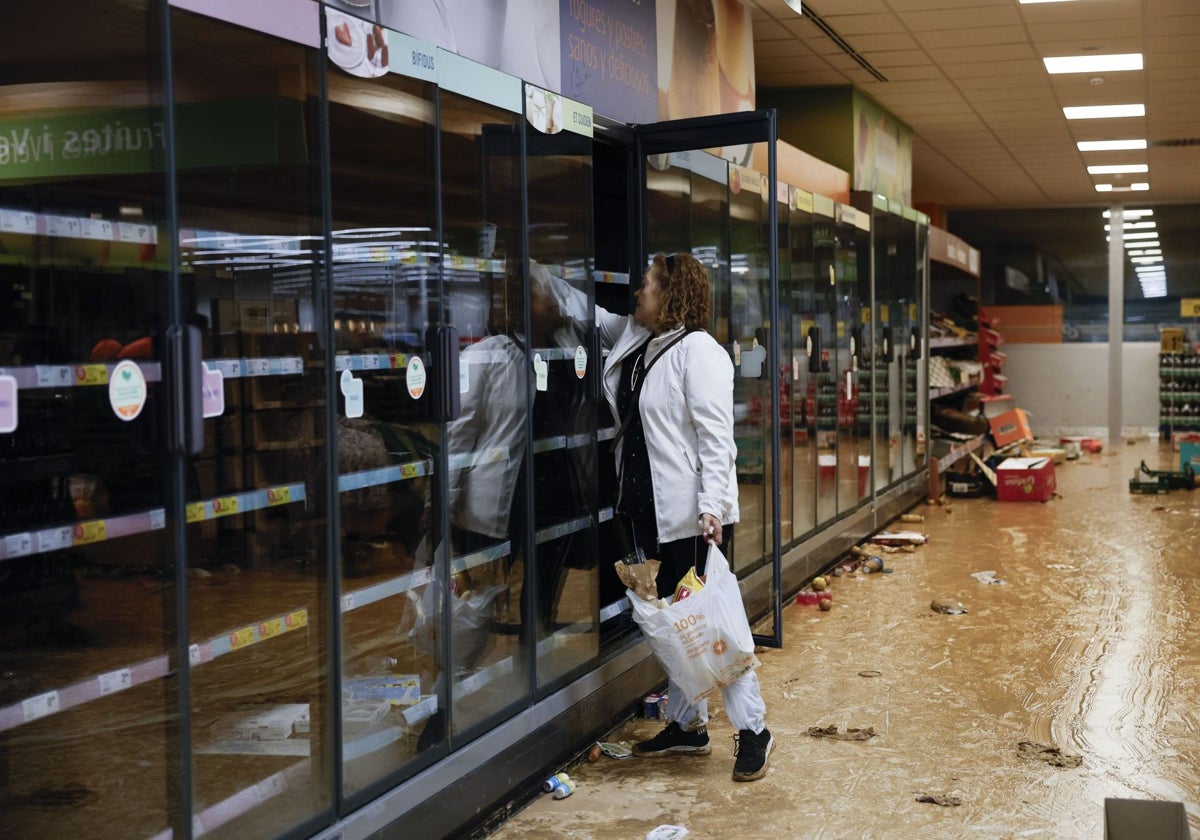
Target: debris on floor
{"type": "Point", "coordinates": [943, 799]}
{"type": "Point", "coordinates": [947, 606]}
{"type": "Point", "coordinates": [899, 538]}
{"type": "Point", "coordinates": [615, 750]}
{"type": "Point", "coordinates": [987, 577]}
{"type": "Point", "coordinates": [870, 673]}
{"type": "Point", "coordinates": [1048, 753]}
{"type": "Point", "coordinates": [667, 832]}
{"type": "Point", "coordinates": [851, 734]}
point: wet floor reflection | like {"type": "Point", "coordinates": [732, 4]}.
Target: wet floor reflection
{"type": "Point", "coordinates": [1088, 645]}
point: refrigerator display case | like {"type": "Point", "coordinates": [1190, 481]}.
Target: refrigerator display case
{"type": "Point", "coordinates": [305, 500]}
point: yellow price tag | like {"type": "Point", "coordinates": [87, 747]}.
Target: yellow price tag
{"type": "Point", "coordinates": [408, 470]}
{"type": "Point", "coordinates": [241, 638]}
{"type": "Point", "coordinates": [279, 496]}
{"type": "Point", "coordinates": [841, 329]}
{"type": "Point", "coordinates": [883, 313]}
{"type": "Point", "coordinates": [912, 312]}
{"type": "Point", "coordinates": [225, 506]}
{"type": "Point", "coordinates": [1189, 307]}
{"type": "Point", "coordinates": [271, 629]}
{"type": "Point", "coordinates": [195, 512]}
{"type": "Point", "coordinates": [91, 375]}
{"type": "Point", "coordinates": [296, 619]}
{"type": "Point", "coordinates": [866, 314]}
{"type": "Point", "coordinates": [90, 532]}
{"type": "Point", "coordinates": [399, 361]}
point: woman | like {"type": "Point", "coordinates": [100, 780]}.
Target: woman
{"type": "Point", "coordinates": [671, 386]}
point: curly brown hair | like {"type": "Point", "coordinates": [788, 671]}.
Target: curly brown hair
{"type": "Point", "coordinates": [685, 289]}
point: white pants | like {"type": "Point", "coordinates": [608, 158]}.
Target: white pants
{"type": "Point", "coordinates": [743, 704]}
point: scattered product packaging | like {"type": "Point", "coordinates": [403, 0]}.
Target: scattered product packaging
{"type": "Point", "coordinates": [272, 724]}
{"type": "Point", "coordinates": [397, 689]}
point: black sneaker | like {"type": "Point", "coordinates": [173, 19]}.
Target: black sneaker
{"type": "Point", "coordinates": [675, 740]}
{"type": "Point", "coordinates": [751, 752]}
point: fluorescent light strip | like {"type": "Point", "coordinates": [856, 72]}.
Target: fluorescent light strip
{"type": "Point", "coordinates": [1093, 63]}
{"type": "Point", "coordinates": [1140, 186]}
{"type": "Point", "coordinates": [1129, 214]}
{"type": "Point", "coordinates": [1099, 112]}
{"type": "Point", "coordinates": [1135, 225]}
{"type": "Point", "coordinates": [1110, 145]}
{"type": "Point", "coordinates": [1118, 169]}
{"type": "Point", "coordinates": [1031, 2]}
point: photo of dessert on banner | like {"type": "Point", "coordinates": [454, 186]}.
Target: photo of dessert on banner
{"type": "Point", "coordinates": [357, 46]}
{"type": "Point", "coordinates": [705, 62]}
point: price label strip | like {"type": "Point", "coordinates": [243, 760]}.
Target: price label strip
{"type": "Point", "coordinates": [251, 500]}
{"type": "Point", "coordinates": [81, 533]}
{"type": "Point", "coordinates": [384, 475]}
{"type": "Point", "coordinates": [243, 368]}
{"type": "Point", "coordinates": [247, 636]}
{"type": "Point", "coordinates": [84, 691]}
{"type": "Point", "coordinates": [371, 361]}
{"type": "Point", "coordinates": [385, 589]}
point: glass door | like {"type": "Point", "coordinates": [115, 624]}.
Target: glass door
{"type": "Point", "coordinates": [694, 201]}
{"type": "Point", "coordinates": [852, 264]}
{"type": "Point", "coordinates": [89, 685]}
{"type": "Point", "coordinates": [886, 311]}
{"type": "Point", "coordinates": [749, 290]}
{"type": "Point", "coordinates": [565, 567]}
{"type": "Point", "coordinates": [388, 299]}
{"type": "Point", "coordinates": [798, 294]}
{"type": "Point", "coordinates": [909, 346]}
{"type": "Point", "coordinates": [822, 338]}
{"type": "Point", "coordinates": [248, 135]}
{"type": "Point", "coordinates": [489, 594]}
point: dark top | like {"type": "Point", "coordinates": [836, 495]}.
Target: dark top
{"type": "Point", "coordinates": [637, 489]}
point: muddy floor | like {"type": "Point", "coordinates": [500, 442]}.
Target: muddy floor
{"type": "Point", "coordinates": [1088, 647]}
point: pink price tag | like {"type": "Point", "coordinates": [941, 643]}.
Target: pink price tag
{"type": "Point", "coordinates": [8, 404]}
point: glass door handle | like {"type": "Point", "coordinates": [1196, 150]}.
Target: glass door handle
{"type": "Point", "coordinates": [447, 401]}
{"type": "Point", "coordinates": [185, 421]}
{"type": "Point", "coordinates": [886, 342]}
{"type": "Point", "coordinates": [914, 343]}
{"type": "Point", "coordinates": [595, 366]}
{"type": "Point", "coordinates": [813, 346]}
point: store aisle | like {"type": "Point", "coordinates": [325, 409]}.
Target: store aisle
{"type": "Point", "coordinates": [1089, 646]}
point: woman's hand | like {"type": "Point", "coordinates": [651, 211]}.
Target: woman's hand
{"type": "Point", "coordinates": [710, 528]}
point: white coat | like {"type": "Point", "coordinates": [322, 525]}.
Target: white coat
{"type": "Point", "coordinates": [686, 406]}
{"type": "Point", "coordinates": [490, 430]}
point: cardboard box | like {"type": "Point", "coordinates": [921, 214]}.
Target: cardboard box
{"type": "Point", "coordinates": [1010, 427]}
{"type": "Point", "coordinates": [1025, 480]}
{"type": "Point", "coordinates": [1189, 453]}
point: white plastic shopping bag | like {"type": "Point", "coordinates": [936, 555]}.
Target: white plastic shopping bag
{"type": "Point", "coordinates": [703, 641]}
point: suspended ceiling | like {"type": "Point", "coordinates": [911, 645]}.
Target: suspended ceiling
{"type": "Point", "coordinates": [968, 77]}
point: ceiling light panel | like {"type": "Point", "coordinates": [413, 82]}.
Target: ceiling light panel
{"type": "Point", "coordinates": [1117, 168]}
{"type": "Point", "coordinates": [1102, 112]}
{"type": "Point", "coordinates": [1093, 63]}
{"type": "Point", "coordinates": [1110, 145]}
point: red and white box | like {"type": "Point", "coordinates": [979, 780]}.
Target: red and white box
{"type": "Point", "coordinates": [1025, 479]}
